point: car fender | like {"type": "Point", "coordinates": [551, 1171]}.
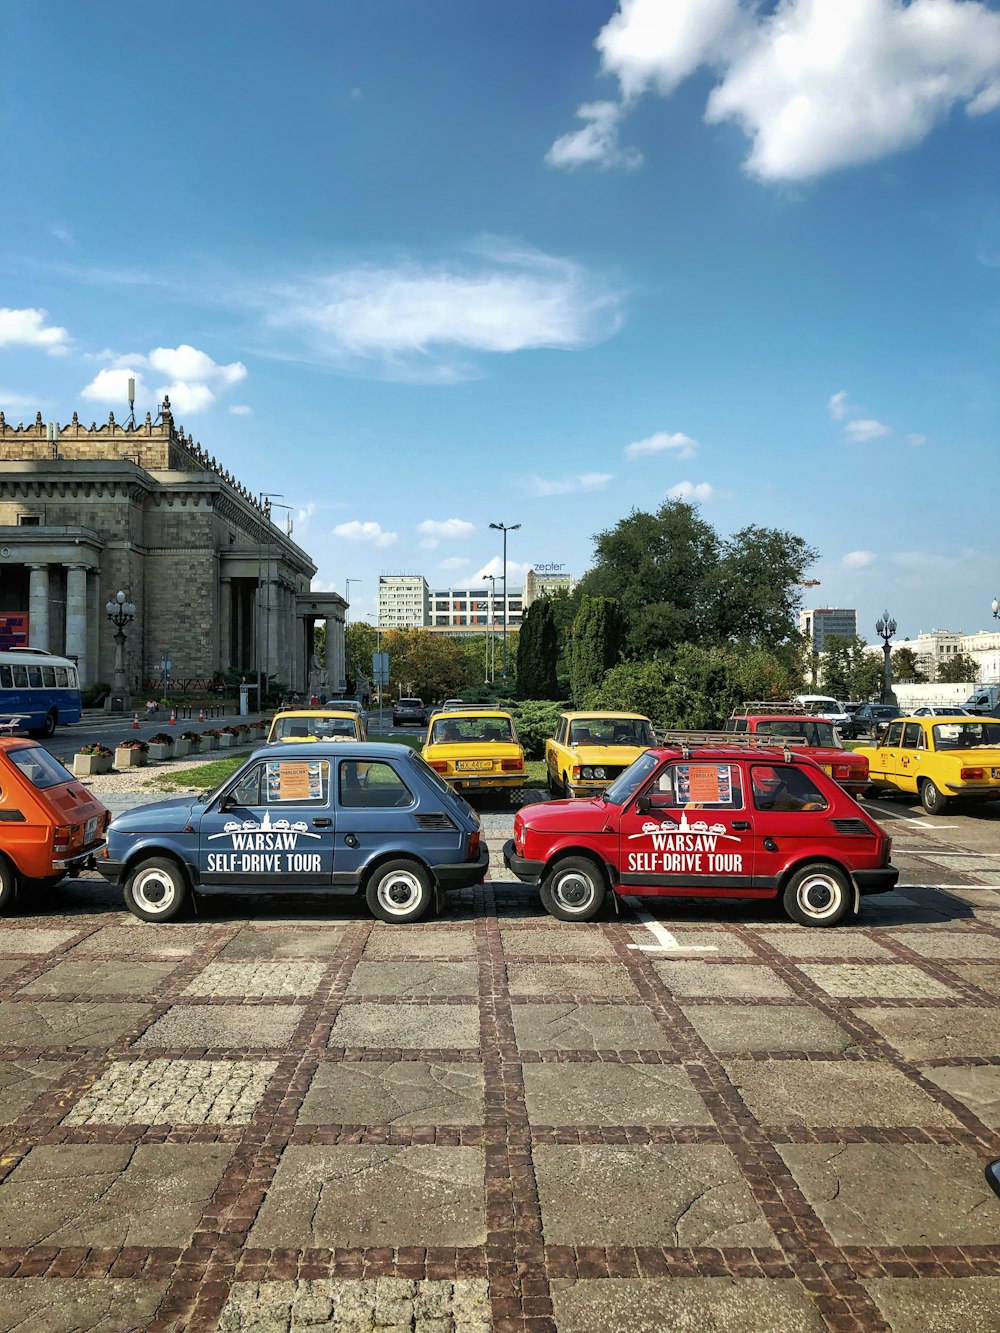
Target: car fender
{"type": "Point", "coordinates": [569, 846]}
{"type": "Point", "coordinates": [148, 847]}
{"type": "Point", "coordinates": [382, 855]}
{"type": "Point", "coordinates": [800, 862]}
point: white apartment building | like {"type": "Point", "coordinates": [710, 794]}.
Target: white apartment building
{"type": "Point", "coordinates": [826, 622]}
{"type": "Point", "coordinates": [932, 647]}
{"type": "Point", "coordinates": [402, 601]}
{"type": "Point", "coordinates": [544, 581]}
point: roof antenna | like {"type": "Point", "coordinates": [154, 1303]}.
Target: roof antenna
{"type": "Point", "coordinates": [130, 423]}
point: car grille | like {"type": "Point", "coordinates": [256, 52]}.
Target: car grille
{"type": "Point", "coordinates": [856, 827]}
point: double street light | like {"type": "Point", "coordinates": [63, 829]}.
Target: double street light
{"type": "Point", "coordinates": [504, 528]}
{"type": "Point", "coordinates": [885, 628]}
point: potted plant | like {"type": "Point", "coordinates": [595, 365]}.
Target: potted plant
{"type": "Point", "coordinates": [161, 746]}
{"type": "Point", "coordinates": [228, 736]}
{"type": "Point", "coordinates": [131, 753]}
{"type": "Point", "coordinates": [92, 759]}
{"type": "Point", "coordinates": [188, 742]}
{"type": "Point", "coordinates": [210, 739]}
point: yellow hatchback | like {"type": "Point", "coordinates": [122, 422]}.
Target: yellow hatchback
{"type": "Point", "coordinates": [475, 749]}
{"type": "Point", "coordinates": [317, 724]}
{"type": "Point", "coordinates": [938, 759]}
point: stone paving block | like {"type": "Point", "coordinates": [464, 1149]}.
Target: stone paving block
{"type": "Point", "coordinates": [419, 941]}
{"type": "Point", "coordinates": [725, 980]}
{"type": "Point", "coordinates": [142, 940]}
{"type": "Point", "coordinates": [984, 975]}
{"type": "Point", "coordinates": [571, 941]}
{"type": "Point", "coordinates": [408, 1027]}
{"type": "Point", "coordinates": [67, 1023]}
{"type": "Point", "coordinates": [937, 1034]}
{"type": "Point", "coordinates": [58, 1305]}
{"type": "Point", "coordinates": [359, 1305]}
{"type": "Point", "coordinates": [725, 944]}
{"type": "Point", "coordinates": [975, 1086]}
{"type": "Point", "coordinates": [24, 939]}
{"type": "Point", "coordinates": [597, 979]}
{"type": "Point", "coordinates": [409, 980]}
{"type": "Point", "coordinates": [255, 941]}
{"type": "Point", "coordinates": [402, 1092]}
{"type": "Point", "coordinates": [773, 1027]}
{"type": "Point", "coordinates": [92, 977]}
{"type": "Point", "coordinates": [611, 1094]}
{"type": "Point", "coordinates": [174, 1092]}
{"type": "Point", "coordinates": [645, 1195]}
{"type": "Point", "coordinates": [802, 1092]}
{"type": "Point", "coordinates": [224, 1026]}
{"type": "Point", "coordinates": [23, 1082]}
{"type": "Point", "coordinates": [895, 1194]}
{"type": "Point", "coordinates": [587, 1027]}
{"type": "Point", "coordinates": [109, 1195]}
{"type": "Point", "coordinates": [257, 979]}
{"type": "Point", "coordinates": [873, 980]}
{"type": "Point", "coordinates": [683, 1305]}
{"type": "Point", "coordinates": [840, 943]}
{"type": "Point", "coordinates": [8, 966]}
{"type": "Point", "coordinates": [351, 1195]}
{"type": "Point", "coordinates": [961, 945]}
{"type": "Point", "coordinates": [938, 1305]}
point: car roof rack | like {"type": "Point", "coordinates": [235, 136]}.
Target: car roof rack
{"type": "Point", "coordinates": [716, 740]}
{"type": "Point", "coordinates": [752, 706]}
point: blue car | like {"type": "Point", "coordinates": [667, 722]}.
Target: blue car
{"type": "Point", "coordinates": [319, 817]}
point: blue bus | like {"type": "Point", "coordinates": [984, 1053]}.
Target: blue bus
{"type": "Point", "coordinates": [37, 690]}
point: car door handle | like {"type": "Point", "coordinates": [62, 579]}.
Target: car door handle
{"type": "Point", "coordinates": [741, 823]}
{"type": "Point", "coordinates": [322, 823]}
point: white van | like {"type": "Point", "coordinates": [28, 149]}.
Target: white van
{"type": "Point", "coordinates": [822, 705]}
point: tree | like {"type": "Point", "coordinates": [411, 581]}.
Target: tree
{"type": "Point", "coordinates": [429, 665]}
{"type": "Point", "coordinates": [848, 671]}
{"type": "Point", "coordinates": [597, 643]}
{"type": "Point", "coordinates": [757, 578]}
{"type": "Point", "coordinates": [536, 653]}
{"type": "Point", "coordinates": [906, 667]}
{"type": "Point", "coordinates": [958, 670]}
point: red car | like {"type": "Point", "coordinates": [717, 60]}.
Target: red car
{"type": "Point", "coordinates": [799, 729]}
{"type": "Point", "coordinates": [717, 821]}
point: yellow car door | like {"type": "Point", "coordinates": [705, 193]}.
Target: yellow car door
{"type": "Point", "coordinates": [883, 762]}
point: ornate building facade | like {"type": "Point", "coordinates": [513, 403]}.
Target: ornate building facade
{"type": "Point", "coordinates": [218, 587]}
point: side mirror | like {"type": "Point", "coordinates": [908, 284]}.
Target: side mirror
{"type": "Point", "coordinates": [643, 805]}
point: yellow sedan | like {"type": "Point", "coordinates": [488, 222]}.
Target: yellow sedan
{"type": "Point", "coordinates": [475, 749]}
{"type": "Point", "coordinates": [937, 759]}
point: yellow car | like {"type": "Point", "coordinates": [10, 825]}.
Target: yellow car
{"type": "Point", "coordinates": [590, 750]}
{"type": "Point", "coordinates": [937, 758]}
{"type": "Point", "coordinates": [475, 748]}
{"type": "Point", "coordinates": [317, 724]}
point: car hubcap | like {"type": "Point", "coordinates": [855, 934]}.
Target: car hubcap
{"type": "Point", "coordinates": [153, 892]}
{"type": "Point", "coordinates": [574, 891]}
{"type": "Point", "coordinates": [400, 893]}
{"type": "Point", "coordinates": [818, 897]}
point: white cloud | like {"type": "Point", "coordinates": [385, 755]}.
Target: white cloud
{"type": "Point", "coordinates": [516, 572]}
{"type": "Point", "coordinates": [435, 531]}
{"type": "Point", "coordinates": [596, 142]}
{"type": "Point", "coordinates": [858, 559]}
{"type": "Point", "coordinates": [691, 492]}
{"type": "Point", "coordinates": [195, 378]}
{"type": "Point", "coordinates": [111, 385]}
{"type": "Point", "coordinates": [241, 410]}
{"type": "Point", "coordinates": [454, 562]}
{"type": "Point", "coordinates": [675, 443]}
{"type": "Point", "coordinates": [194, 367]}
{"type": "Point", "coordinates": [816, 85]}
{"type": "Point", "coordinates": [303, 516]}
{"type": "Point", "coordinates": [17, 402]}
{"type": "Point", "coordinates": [859, 431]}
{"type": "Point", "coordinates": [186, 398]}
{"type": "Point", "coordinates": [837, 405]}
{"type": "Point", "coordinates": [61, 233]}
{"type": "Point", "coordinates": [420, 322]}
{"type": "Point", "coordinates": [584, 481]}
{"type": "Point", "coordinates": [27, 328]}
{"type": "Point", "coordinates": [916, 439]}
{"type": "Point", "coordinates": [356, 531]}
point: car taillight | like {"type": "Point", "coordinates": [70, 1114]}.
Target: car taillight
{"type": "Point", "coordinates": [511, 765]}
{"type": "Point", "coordinates": [887, 851]}
{"type": "Point", "coordinates": [841, 770]}
{"type": "Point", "coordinates": [473, 851]}
{"type": "Point", "coordinates": [972, 774]}
{"type": "Point", "coordinates": [62, 836]}
{"type": "Point", "coordinates": [439, 765]}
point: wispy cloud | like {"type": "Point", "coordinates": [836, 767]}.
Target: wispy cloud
{"type": "Point", "coordinates": [837, 405]}
{"type": "Point", "coordinates": [454, 562]}
{"type": "Point", "coordinates": [434, 531]}
{"type": "Point", "coordinates": [241, 410]}
{"type": "Point", "coordinates": [858, 559]}
{"type": "Point", "coordinates": [584, 481]}
{"type": "Point", "coordinates": [18, 402]}
{"type": "Point", "coordinates": [866, 429]}
{"type": "Point", "coordinates": [370, 532]}
{"type": "Point", "coordinates": [516, 572]}
{"type": "Point", "coordinates": [28, 328]}
{"type": "Point", "coordinates": [675, 443]}
{"type": "Point", "coordinates": [916, 440]}
{"type": "Point", "coordinates": [597, 142]}
{"type": "Point", "coordinates": [692, 492]}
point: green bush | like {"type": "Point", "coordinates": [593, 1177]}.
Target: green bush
{"type": "Point", "coordinates": [536, 722]}
{"type": "Point", "coordinates": [94, 695]}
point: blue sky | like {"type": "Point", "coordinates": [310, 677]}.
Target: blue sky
{"type": "Point", "coordinates": [421, 267]}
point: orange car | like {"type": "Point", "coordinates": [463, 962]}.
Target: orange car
{"type": "Point", "coordinates": [50, 824]}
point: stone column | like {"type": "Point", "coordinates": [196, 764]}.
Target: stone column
{"type": "Point", "coordinates": [38, 607]}
{"type": "Point", "coordinates": [76, 618]}
{"type": "Point", "coordinates": [225, 624]}
{"type": "Point", "coordinates": [272, 627]}
{"type": "Point", "coordinates": [300, 656]}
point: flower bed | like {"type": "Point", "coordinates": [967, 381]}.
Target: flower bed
{"type": "Point", "coordinates": [188, 742]}
{"type": "Point", "coordinates": [131, 754]}
{"type": "Point", "coordinates": [161, 746]}
{"type": "Point", "coordinates": [92, 759]}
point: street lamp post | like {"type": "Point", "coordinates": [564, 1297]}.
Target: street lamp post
{"type": "Point", "coordinates": [504, 528]}
{"type": "Point", "coordinates": [491, 656]}
{"type": "Point", "coordinates": [120, 611]}
{"type": "Point", "coordinates": [885, 628]}
{"type": "Point", "coordinates": [377, 682]}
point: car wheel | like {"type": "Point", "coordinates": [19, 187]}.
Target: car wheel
{"type": "Point", "coordinates": [872, 792]}
{"type": "Point", "coordinates": [156, 889]}
{"type": "Point", "coordinates": [8, 885]}
{"type": "Point", "coordinates": [399, 891]}
{"type": "Point", "coordinates": [49, 725]}
{"type": "Point", "coordinates": [818, 895]}
{"type": "Point", "coordinates": [932, 799]}
{"type": "Point", "coordinates": [573, 890]}
{"type": "Point", "coordinates": [551, 785]}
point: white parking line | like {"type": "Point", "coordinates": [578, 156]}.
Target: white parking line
{"type": "Point", "coordinates": [666, 943]}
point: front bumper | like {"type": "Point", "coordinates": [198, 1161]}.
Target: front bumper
{"type": "Point", "coordinates": [111, 870]}
{"type": "Point", "coordinates": [882, 880]}
{"type": "Point", "coordinates": [466, 873]}
{"type": "Point", "coordinates": [528, 872]}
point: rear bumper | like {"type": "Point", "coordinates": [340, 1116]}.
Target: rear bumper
{"type": "Point", "coordinates": [882, 880]}
{"type": "Point", "coordinates": [79, 860]}
{"type": "Point", "coordinates": [528, 872]}
{"type": "Point", "coordinates": [975, 790]}
{"type": "Point", "coordinates": [466, 873]}
{"type": "Point", "coordinates": [479, 782]}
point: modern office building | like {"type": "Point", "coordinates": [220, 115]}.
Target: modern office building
{"type": "Point", "coordinates": [402, 601]}
{"type": "Point", "coordinates": [474, 607]}
{"type": "Point", "coordinates": [827, 622]}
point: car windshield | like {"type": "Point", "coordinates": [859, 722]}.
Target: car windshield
{"type": "Point", "coordinates": [39, 767]}
{"type": "Point", "coordinates": [813, 733]}
{"type": "Point", "coordinates": [319, 728]}
{"type": "Point", "coordinates": [966, 735]}
{"type": "Point", "coordinates": [611, 731]}
{"type": "Point", "coordinates": [624, 788]}
{"type": "Point", "coordinates": [473, 731]}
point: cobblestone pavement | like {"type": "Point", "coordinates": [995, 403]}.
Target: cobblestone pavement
{"type": "Point", "coordinates": [686, 1117]}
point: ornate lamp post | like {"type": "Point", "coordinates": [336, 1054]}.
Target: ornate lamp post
{"type": "Point", "coordinates": [885, 628]}
{"type": "Point", "coordinates": [503, 527]}
{"type": "Point", "coordinates": [120, 612]}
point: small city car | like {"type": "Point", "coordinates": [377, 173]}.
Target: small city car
{"type": "Point", "coordinates": [590, 750]}
{"type": "Point", "coordinates": [937, 759]}
{"type": "Point", "coordinates": [409, 710]}
{"type": "Point", "coordinates": [475, 749]}
{"type": "Point", "coordinates": [345, 818]}
{"type": "Point", "coordinates": [50, 824]}
{"type": "Point", "coordinates": [800, 730]}
{"type": "Point", "coordinates": [711, 822]}
{"type": "Point", "coordinates": [317, 724]}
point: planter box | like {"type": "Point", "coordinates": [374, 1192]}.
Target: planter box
{"type": "Point", "coordinates": [226, 741]}
{"type": "Point", "coordinates": [129, 758]}
{"type": "Point", "coordinates": [209, 742]}
{"type": "Point", "coordinates": [161, 751]}
{"type": "Point", "coordinates": [181, 748]}
{"type": "Point", "coordinates": [89, 765]}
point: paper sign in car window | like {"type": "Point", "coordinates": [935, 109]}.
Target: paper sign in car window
{"type": "Point", "coordinates": [703, 784]}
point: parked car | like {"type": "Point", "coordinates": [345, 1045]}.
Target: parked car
{"type": "Point", "coordinates": [870, 719]}
{"type": "Point", "coordinates": [475, 748]}
{"type": "Point", "coordinates": [317, 724]}
{"type": "Point", "coordinates": [409, 710]}
{"type": "Point", "coordinates": [939, 710]}
{"type": "Point", "coordinates": [803, 731]}
{"type": "Point", "coordinates": [346, 819]}
{"type": "Point", "coordinates": [590, 750]}
{"type": "Point", "coordinates": [51, 825]}
{"type": "Point", "coordinates": [937, 759]}
{"type": "Point", "coordinates": [711, 821]}
{"type": "Point", "coordinates": [824, 705]}
{"type": "Point", "coordinates": [984, 699]}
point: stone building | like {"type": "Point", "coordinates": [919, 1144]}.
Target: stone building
{"type": "Point", "coordinates": [86, 511]}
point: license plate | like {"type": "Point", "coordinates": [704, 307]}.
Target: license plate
{"type": "Point", "coordinates": [996, 772]}
{"type": "Point", "coordinates": [90, 829]}
{"type": "Point", "coordinates": [473, 765]}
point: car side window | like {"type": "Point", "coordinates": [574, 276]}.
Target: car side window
{"type": "Point", "coordinates": [894, 735]}
{"type": "Point", "coordinates": [913, 736]}
{"type": "Point", "coordinates": [247, 790]}
{"type": "Point", "coordinates": [371, 786]}
{"type": "Point", "coordinates": [784, 787]}
{"type": "Point", "coordinates": [697, 787]}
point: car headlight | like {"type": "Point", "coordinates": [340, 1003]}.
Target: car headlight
{"type": "Point", "coordinates": [586, 772]}
{"type": "Point", "coordinates": [600, 773]}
